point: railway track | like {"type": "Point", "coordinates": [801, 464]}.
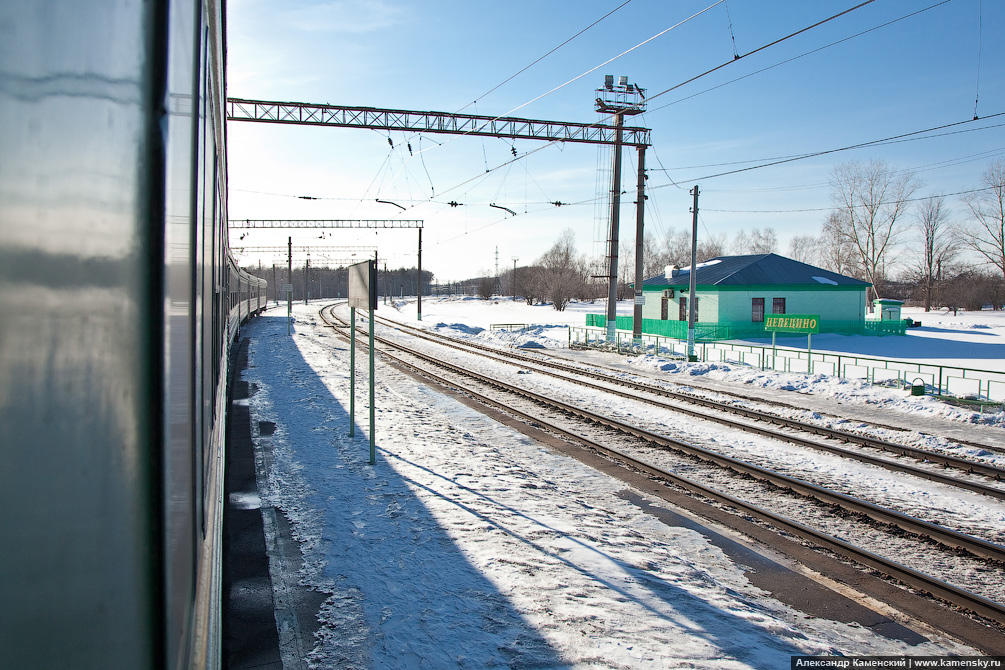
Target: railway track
{"type": "Point", "coordinates": [770, 423]}
{"type": "Point", "coordinates": [947, 537]}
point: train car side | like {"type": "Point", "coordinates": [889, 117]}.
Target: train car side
{"type": "Point", "coordinates": [120, 305]}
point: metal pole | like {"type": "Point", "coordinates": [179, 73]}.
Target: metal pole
{"type": "Point", "coordinates": [640, 209]}
{"type": "Point", "coordinates": [692, 311]}
{"type": "Point", "coordinates": [289, 297]}
{"type": "Point", "coordinates": [515, 259]}
{"type": "Point", "coordinates": [307, 280]}
{"type": "Point", "coordinates": [418, 285]}
{"type": "Point", "coordinates": [352, 371]}
{"type": "Point", "coordinates": [373, 435]}
{"type": "Point", "coordinates": [809, 352]}
{"type": "Point", "coordinates": [612, 289]}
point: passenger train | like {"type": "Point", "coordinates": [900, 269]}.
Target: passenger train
{"type": "Point", "coordinates": [119, 305]}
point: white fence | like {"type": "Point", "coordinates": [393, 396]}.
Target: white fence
{"type": "Point", "coordinates": [945, 380]}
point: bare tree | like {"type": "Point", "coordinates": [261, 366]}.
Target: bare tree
{"type": "Point", "coordinates": [758, 242]}
{"type": "Point", "coordinates": [595, 277]}
{"type": "Point", "coordinates": [741, 243]}
{"type": "Point", "coordinates": [677, 248]}
{"type": "Point", "coordinates": [652, 256]}
{"type": "Point", "coordinates": [870, 199]}
{"type": "Point", "coordinates": [708, 247]}
{"type": "Point", "coordinates": [973, 289]}
{"type": "Point", "coordinates": [939, 245]}
{"type": "Point", "coordinates": [532, 284]}
{"type": "Point", "coordinates": [836, 253]}
{"type": "Point", "coordinates": [763, 241]}
{"type": "Point", "coordinates": [985, 232]}
{"type": "Point", "coordinates": [485, 286]}
{"type": "Point", "coordinates": [562, 271]}
{"type": "Point", "coordinates": [805, 249]}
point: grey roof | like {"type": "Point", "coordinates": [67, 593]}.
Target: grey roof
{"type": "Point", "coordinates": [755, 270]}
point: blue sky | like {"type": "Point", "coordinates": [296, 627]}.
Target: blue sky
{"type": "Point", "coordinates": [919, 72]}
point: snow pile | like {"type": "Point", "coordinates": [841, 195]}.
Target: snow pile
{"type": "Point", "coordinates": [973, 340]}
{"type": "Point", "coordinates": [837, 388]}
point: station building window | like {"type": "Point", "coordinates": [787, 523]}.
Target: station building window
{"type": "Point", "coordinates": [682, 314]}
{"type": "Point", "coordinates": [757, 310]}
{"type": "Point", "coordinates": [778, 305]}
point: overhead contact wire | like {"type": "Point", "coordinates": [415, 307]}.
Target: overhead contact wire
{"type": "Point", "coordinates": [761, 48]}
{"type": "Point", "coordinates": [511, 78]}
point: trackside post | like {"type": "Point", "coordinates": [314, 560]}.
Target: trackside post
{"type": "Point", "coordinates": [362, 294]}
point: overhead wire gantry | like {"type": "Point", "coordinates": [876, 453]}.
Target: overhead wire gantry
{"type": "Point", "coordinates": [341, 223]}
{"type": "Point", "coordinates": [618, 100]}
{"type": "Point", "coordinates": [306, 114]}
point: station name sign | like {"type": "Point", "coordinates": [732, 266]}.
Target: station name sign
{"type": "Point", "coordinates": [792, 323]}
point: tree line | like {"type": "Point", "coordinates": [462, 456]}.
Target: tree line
{"type": "Point", "coordinates": [955, 257]}
{"type": "Point", "coordinates": [325, 282]}
{"type": "Point", "coordinates": [935, 251]}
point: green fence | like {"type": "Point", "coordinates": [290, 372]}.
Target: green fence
{"type": "Point", "coordinates": [739, 330]}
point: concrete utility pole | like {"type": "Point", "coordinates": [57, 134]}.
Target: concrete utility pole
{"type": "Point", "coordinates": [515, 259]}
{"type": "Point", "coordinates": [640, 208]}
{"type": "Point", "coordinates": [692, 305]}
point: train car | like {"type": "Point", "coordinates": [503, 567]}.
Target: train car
{"type": "Point", "coordinates": [248, 298]}
{"type": "Point", "coordinates": [119, 304]}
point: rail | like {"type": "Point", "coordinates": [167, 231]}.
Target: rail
{"type": "Point", "coordinates": [942, 380]}
{"type": "Point", "coordinates": [942, 535]}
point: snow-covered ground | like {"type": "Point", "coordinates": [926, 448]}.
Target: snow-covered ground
{"type": "Point", "coordinates": [974, 340]}
{"type": "Point", "coordinates": [469, 545]}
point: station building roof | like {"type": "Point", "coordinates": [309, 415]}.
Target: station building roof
{"type": "Point", "coordinates": [754, 270]}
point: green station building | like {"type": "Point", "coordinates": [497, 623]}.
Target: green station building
{"type": "Point", "coordinates": [734, 293]}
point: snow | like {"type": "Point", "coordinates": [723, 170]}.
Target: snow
{"type": "Point", "coordinates": [824, 280]}
{"type": "Point", "coordinates": [470, 545]}
{"type": "Point", "coordinates": [973, 340]}
{"type": "Point", "coordinates": [714, 261]}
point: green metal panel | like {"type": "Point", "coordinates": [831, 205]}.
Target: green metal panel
{"type": "Point", "coordinates": [831, 305]}
{"type": "Point", "coordinates": [79, 252]}
{"type": "Point", "coordinates": [733, 330]}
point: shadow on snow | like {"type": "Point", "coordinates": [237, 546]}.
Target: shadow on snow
{"type": "Point", "coordinates": [403, 593]}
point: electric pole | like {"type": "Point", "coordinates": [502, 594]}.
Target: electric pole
{"type": "Point", "coordinates": [692, 306]}
{"type": "Point", "coordinates": [639, 225]}
{"type": "Point", "coordinates": [622, 100]}
{"type": "Point", "coordinates": [515, 259]}
{"type": "Point", "coordinates": [418, 289]}
{"type": "Point", "coordinates": [289, 295]}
